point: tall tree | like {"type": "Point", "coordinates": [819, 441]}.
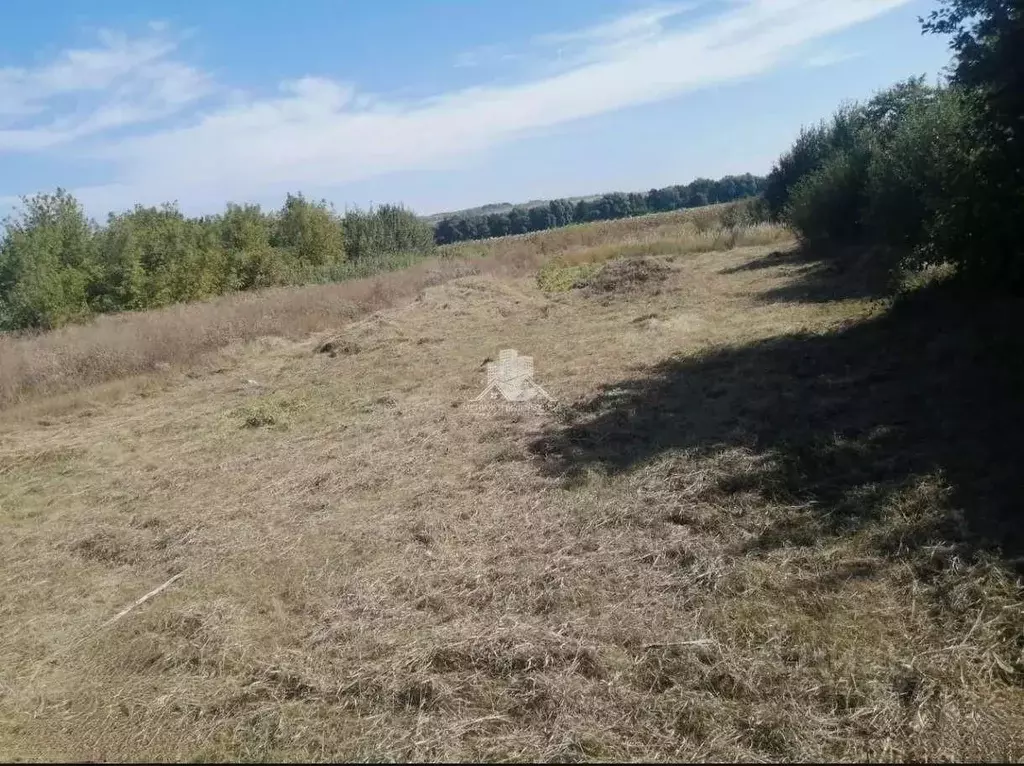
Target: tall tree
{"type": "Point", "coordinates": [518, 221]}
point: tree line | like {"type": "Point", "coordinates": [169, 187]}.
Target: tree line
{"type": "Point", "coordinates": [563, 212]}
{"type": "Point", "coordinates": [58, 266]}
{"type": "Point", "coordinates": [925, 174]}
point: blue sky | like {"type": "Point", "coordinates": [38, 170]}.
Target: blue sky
{"type": "Point", "coordinates": [435, 103]}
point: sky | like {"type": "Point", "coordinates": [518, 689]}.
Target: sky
{"type": "Point", "coordinates": [435, 104]}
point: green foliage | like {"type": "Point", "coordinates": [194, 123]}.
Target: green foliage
{"type": "Point", "coordinates": [987, 37]}
{"type": "Point", "coordinates": [154, 257]}
{"type": "Point", "coordinates": [922, 171]}
{"type": "Point", "coordinates": [310, 231]}
{"type": "Point", "coordinates": [387, 229]}
{"type": "Point", "coordinates": [934, 175]}
{"type": "Point", "coordinates": [812, 148]}
{"type": "Point", "coordinates": [748, 212]}
{"type": "Point", "coordinates": [563, 212]}
{"type": "Point", "coordinates": [250, 261]}
{"type": "Point", "coordinates": [983, 229]}
{"type": "Point", "coordinates": [57, 267]}
{"type": "Point", "coordinates": [47, 262]}
{"type": "Point", "coordinates": [827, 204]}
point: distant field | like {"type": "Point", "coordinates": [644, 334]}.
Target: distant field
{"type": "Point", "coordinates": [770, 517]}
{"type": "Point", "coordinates": [497, 207]}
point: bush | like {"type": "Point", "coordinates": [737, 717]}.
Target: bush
{"type": "Point", "coordinates": [153, 257]}
{"type": "Point", "coordinates": [810, 151]}
{"type": "Point", "coordinates": [388, 229]}
{"type": "Point", "coordinates": [826, 206]}
{"type": "Point", "coordinates": [57, 267]}
{"type": "Point", "coordinates": [310, 232]}
{"type": "Point", "coordinates": [935, 174]}
{"type": "Point", "coordinates": [748, 212]}
{"type": "Point", "coordinates": [908, 172]}
{"type": "Point", "coordinates": [921, 171]}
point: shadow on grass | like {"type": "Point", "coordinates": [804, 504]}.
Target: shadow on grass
{"type": "Point", "coordinates": [820, 276]}
{"type": "Point", "coordinates": [846, 421]}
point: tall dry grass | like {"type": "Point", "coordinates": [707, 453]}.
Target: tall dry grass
{"type": "Point", "coordinates": [123, 345]}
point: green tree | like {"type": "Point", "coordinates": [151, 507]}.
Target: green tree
{"type": "Point", "coordinates": [922, 173]}
{"type": "Point", "coordinates": [518, 221]}
{"type": "Point", "coordinates": [827, 205]}
{"type": "Point", "coordinates": [497, 225]}
{"type": "Point", "coordinates": [155, 256]}
{"type": "Point", "coordinates": [810, 151]}
{"type": "Point", "coordinates": [446, 231]}
{"type": "Point", "coordinates": [310, 230]}
{"type": "Point", "coordinates": [47, 263]}
{"type": "Point", "coordinates": [540, 218]}
{"type": "Point", "coordinates": [561, 212]}
{"type": "Point", "coordinates": [249, 260]}
{"type": "Point", "coordinates": [987, 38]}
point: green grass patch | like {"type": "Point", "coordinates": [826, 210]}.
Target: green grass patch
{"type": "Point", "coordinates": [559, 277]}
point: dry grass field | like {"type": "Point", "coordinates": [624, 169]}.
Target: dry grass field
{"type": "Point", "coordinates": [771, 517]}
{"type": "Point", "coordinates": [114, 347]}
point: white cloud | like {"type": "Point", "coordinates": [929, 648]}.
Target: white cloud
{"type": "Point", "coordinates": [318, 132]}
{"type": "Point", "coordinates": [119, 82]}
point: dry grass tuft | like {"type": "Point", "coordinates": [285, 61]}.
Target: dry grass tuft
{"type": "Point", "coordinates": [629, 277]}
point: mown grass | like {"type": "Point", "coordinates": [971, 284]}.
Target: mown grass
{"type": "Point", "coordinates": [772, 518]}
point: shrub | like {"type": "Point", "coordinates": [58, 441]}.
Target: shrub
{"type": "Point", "coordinates": [309, 231]}
{"type": "Point", "coordinates": [918, 174]}
{"type": "Point", "coordinates": [943, 180]}
{"type": "Point", "coordinates": [385, 230]}
{"type": "Point", "coordinates": [907, 171]}
{"type": "Point", "coordinates": [748, 212]}
{"type": "Point", "coordinates": [153, 257]}
{"type": "Point", "coordinates": [810, 151]}
{"type": "Point", "coordinates": [827, 204]}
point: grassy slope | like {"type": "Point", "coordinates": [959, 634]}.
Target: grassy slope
{"type": "Point", "coordinates": [760, 526]}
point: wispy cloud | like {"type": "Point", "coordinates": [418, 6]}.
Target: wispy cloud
{"type": "Point", "coordinates": [831, 58]}
{"type": "Point", "coordinates": [317, 132]}
{"type": "Point", "coordinates": [638, 24]}
{"type": "Point", "coordinates": [581, 45]}
{"type": "Point", "coordinates": [117, 83]}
